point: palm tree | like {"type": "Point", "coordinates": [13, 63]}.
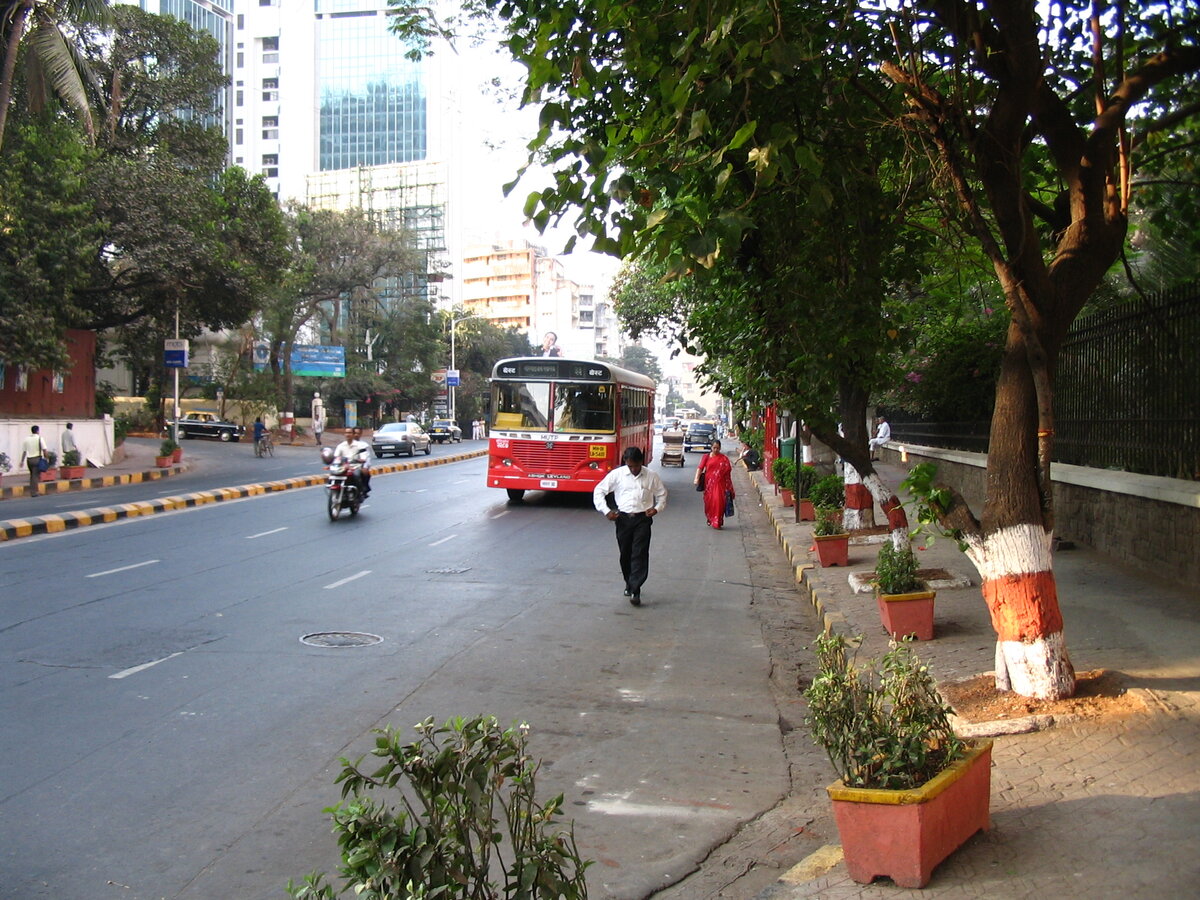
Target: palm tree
{"type": "Point", "coordinates": [54, 64]}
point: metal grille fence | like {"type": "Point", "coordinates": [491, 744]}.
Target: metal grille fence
{"type": "Point", "coordinates": [1127, 392]}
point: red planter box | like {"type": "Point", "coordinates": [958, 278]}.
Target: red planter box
{"type": "Point", "coordinates": [806, 510]}
{"type": "Point", "coordinates": [788, 498]}
{"type": "Point", "coordinates": [907, 614]}
{"type": "Point", "coordinates": [904, 835]}
{"type": "Point", "coordinates": [833, 549]}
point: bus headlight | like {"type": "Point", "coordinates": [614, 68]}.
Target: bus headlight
{"type": "Point", "coordinates": [593, 465]}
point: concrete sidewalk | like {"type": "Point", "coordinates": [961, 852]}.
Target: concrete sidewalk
{"type": "Point", "coordinates": [1095, 808]}
{"type": "Point", "coordinates": [135, 463]}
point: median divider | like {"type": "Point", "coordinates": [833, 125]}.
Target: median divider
{"type": "Point", "coordinates": [12, 529]}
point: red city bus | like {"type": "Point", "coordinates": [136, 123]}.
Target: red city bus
{"type": "Point", "coordinates": [562, 424]}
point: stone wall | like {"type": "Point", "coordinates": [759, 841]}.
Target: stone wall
{"type": "Point", "coordinates": [1143, 521]}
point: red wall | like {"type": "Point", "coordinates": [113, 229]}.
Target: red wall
{"type": "Point", "coordinates": [78, 397]}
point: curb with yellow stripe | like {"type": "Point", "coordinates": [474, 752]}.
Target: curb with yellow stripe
{"type": "Point", "coordinates": [51, 524]}
{"type": "Point", "coordinates": [64, 486]}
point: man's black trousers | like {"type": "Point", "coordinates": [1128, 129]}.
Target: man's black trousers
{"type": "Point", "coordinates": [633, 540]}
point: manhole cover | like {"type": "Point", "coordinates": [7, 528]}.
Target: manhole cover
{"type": "Point", "coordinates": [340, 639]}
{"type": "Point", "coordinates": [449, 570]}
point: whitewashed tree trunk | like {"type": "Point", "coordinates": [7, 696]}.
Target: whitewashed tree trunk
{"type": "Point", "coordinates": [1022, 597]}
{"type": "Point", "coordinates": [858, 512]}
{"type": "Point", "coordinates": [890, 504]}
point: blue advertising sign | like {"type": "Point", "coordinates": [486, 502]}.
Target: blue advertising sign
{"type": "Point", "coordinates": [175, 353]}
{"type": "Point", "coordinates": [317, 359]}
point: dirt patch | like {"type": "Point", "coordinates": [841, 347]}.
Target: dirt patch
{"type": "Point", "coordinates": [1097, 693]}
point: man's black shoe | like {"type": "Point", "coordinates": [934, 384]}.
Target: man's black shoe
{"type": "Point", "coordinates": [636, 599]}
{"type": "Point", "coordinates": [628, 592]}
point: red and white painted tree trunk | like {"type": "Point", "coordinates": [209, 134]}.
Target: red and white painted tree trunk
{"type": "Point", "coordinates": [858, 512]}
{"type": "Point", "coordinates": [890, 504]}
{"type": "Point", "coordinates": [1022, 597]}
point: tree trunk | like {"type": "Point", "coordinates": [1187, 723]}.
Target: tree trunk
{"type": "Point", "coordinates": [1012, 553]}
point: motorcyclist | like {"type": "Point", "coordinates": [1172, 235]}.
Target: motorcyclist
{"type": "Point", "coordinates": [355, 450]}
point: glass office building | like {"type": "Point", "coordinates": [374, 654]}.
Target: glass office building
{"type": "Point", "coordinates": [373, 103]}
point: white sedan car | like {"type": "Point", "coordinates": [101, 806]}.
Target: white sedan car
{"type": "Point", "coordinates": [399, 437]}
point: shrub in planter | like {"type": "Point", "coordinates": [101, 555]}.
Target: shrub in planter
{"type": "Point", "coordinates": [910, 792]}
{"type": "Point", "coordinates": [783, 473]}
{"type": "Point", "coordinates": [828, 491]}
{"type": "Point", "coordinates": [828, 521]}
{"type": "Point", "coordinates": [5, 463]}
{"type": "Point", "coordinates": [832, 540]}
{"type": "Point", "coordinates": [72, 464]}
{"type": "Point", "coordinates": [464, 820]}
{"type": "Point", "coordinates": [808, 477]}
{"type": "Point", "coordinates": [905, 605]}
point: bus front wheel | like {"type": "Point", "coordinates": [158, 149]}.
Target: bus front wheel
{"type": "Point", "coordinates": [516, 494]}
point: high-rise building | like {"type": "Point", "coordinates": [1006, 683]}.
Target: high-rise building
{"type": "Point", "coordinates": [330, 110]}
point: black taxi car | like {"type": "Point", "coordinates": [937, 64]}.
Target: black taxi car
{"type": "Point", "coordinates": [204, 424]}
{"type": "Point", "coordinates": [442, 430]}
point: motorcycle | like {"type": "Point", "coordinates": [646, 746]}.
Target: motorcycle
{"type": "Point", "coordinates": [341, 490]}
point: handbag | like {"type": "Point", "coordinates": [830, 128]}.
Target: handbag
{"type": "Point", "coordinates": [42, 464]}
{"type": "Point", "coordinates": [729, 505]}
{"type": "Point", "coordinates": [700, 481]}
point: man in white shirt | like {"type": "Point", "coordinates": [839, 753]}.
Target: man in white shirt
{"type": "Point", "coordinates": [355, 449]}
{"type": "Point", "coordinates": [883, 434]}
{"type": "Point", "coordinates": [638, 496]}
{"type": "Point", "coordinates": [32, 451]}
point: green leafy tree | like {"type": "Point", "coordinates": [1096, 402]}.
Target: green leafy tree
{"type": "Point", "coordinates": [48, 234]}
{"type": "Point", "coordinates": [675, 132]}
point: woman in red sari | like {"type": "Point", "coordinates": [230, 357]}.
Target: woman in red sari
{"type": "Point", "coordinates": [718, 480]}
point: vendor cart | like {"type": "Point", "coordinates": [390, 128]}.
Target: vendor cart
{"type": "Point", "coordinates": [672, 448]}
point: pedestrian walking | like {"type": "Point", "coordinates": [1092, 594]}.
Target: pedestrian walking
{"type": "Point", "coordinates": [67, 442]}
{"type": "Point", "coordinates": [318, 416]}
{"type": "Point", "coordinates": [638, 495]}
{"type": "Point", "coordinates": [717, 475]}
{"type": "Point", "coordinates": [33, 452]}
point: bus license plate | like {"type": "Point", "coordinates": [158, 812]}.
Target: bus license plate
{"type": "Point", "coordinates": [597, 451]}
{"type": "Point", "coordinates": [548, 484]}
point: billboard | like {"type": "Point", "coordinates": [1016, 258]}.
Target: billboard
{"type": "Point", "coordinates": [308, 359]}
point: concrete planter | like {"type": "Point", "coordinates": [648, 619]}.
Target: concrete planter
{"type": "Point", "coordinates": [905, 835]}
{"type": "Point", "coordinates": [788, 497]}
{"type": "Point", "coordinates": [72, 473]}
{"type": "Point", "coordinates": [833, 549]}
{"type": "Point", "coordinates": [163, 461]}
{"type": "Point", "coordinates": [51, 474]}
{"type": "Point", "coordinates": [907, 614]}
{"type": "Point", "coordinates": [806, 510]}
{"type": "Point", "coordinates": [177, 454]}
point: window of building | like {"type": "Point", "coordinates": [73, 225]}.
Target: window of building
{"type": "Point", "coordinates": [270, 43]}
{"type": "Point", "coordinates": [271, 172]}
{"type": "Point", "coordinates": [241, 23]}
{"type": "Point", "coordinates": [270, 96]}
{"type": "Point", "coordinates": [241, 59]}
{"type": "Point", "coordinates": [239, 136]}
{"type": "Point", "coordinates": [270, 121]}
{"type": "Point", "coordinates": [270, 134]}
{"type": "Point", "coordinates": [270, 83]}
{"type": "Point", "coordinates": [270, 59]}
{"type": "Point", "coordinates": [238, 98]}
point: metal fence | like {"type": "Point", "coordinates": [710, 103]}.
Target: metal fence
{"type": "Point", "coordinates": [1127, 392]}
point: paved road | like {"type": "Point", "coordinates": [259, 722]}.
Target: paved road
{"type": "Point", "coordinates": [169, 735]}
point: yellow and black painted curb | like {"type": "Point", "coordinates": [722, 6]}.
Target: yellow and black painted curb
{"type": "Point", "coordinates": [63, 486]}
{"type": "Point", "coordinates": [51, 524]}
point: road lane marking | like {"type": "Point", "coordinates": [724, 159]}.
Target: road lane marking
{"type": "Point", "coordinates": [148, 562]}
{"type": "Point", "coordinates": [251, 537]}
{"type": "Point", "coordinates": [503, 512]}
{"type": "Point", "coordinates": [338, 584]}
{"type": "Point", "coordinates": [125, 673]}
{"type": "Point", "coordinates": [443, 540]}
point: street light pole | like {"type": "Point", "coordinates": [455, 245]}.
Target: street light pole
{"type": "Point", "coordinates": [453, 367]}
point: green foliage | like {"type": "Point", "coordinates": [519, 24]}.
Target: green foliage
{"type": "Point", "coordinates": [464, 812]}
{"type": "Point", "coordinates": [829, 491]}
{"type": "Point", "coordinates": [808, 477]}
{"type": "Point", "coordinates": [753, 438]}
{"type": "Point", "coordinates": [71, 458]}
{"type": "Point", "coordinates": [167, 447]}
{"type": "Point", "coordinates": [883, 725]}
{"type": "Point", "coordinates": [49, 229]}
{"type": "Point", "coordinates": [5, 462]}
{"type": "Point", "coordinates": [827, 520]}
{"type": "Point", "coordinates": [105, 392]}
{"type": "Point", "coordinates": [783, 473]}
{"type": "Point", "coordinates": [932, 502]}
{"type": "Point", "coordinates": [51, 458]}
{"type": "Point", "coordinates": [896, 570]}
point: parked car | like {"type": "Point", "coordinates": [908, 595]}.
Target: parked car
{"type": "Point", "coordinates": [699, 436]}
{"type": "Point", "coordinates": [400, 437]}
{"type": "Point", "coordinates": [442, 430]}
{"type": "Point", "coordinates": [202, 424]}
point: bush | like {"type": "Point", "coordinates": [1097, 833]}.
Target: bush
{"type": "Point", "coordinates": [5, 462]}
{"type": "Point", "coordinates": [783, 473]}
{"type": "Point", "coordinates": [883, 725]}
{"type": "Point", "coordinates": [828, 491]}
{"type": "Point", "coordinates": [896, 570]}
{"type": "Point", "coordinates": [464, 801]}
{"type": "Point", "coordinates": [828, 520]}
{"type": "Point", "coordinates": [808, 477]}
{"type": "Point", "coordinates": [167, 447]}
{"type": "Point", "coordinates": [71, 458]}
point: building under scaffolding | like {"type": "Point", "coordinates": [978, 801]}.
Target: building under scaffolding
{"type": "Point", "coordinates": [405, 196]}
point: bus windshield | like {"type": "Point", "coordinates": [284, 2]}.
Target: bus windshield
{"type": "Point", "coordinates": [575, 409]}
{"type": "Point", "coordinates": [521, 404]}
{"type": "Point", "coordinates": [583, 407]}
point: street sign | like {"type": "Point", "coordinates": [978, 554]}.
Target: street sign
{"type": "Point", "coordinates": [175, 353]}
{"type": "Point", "coordinates": [452, 377]}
